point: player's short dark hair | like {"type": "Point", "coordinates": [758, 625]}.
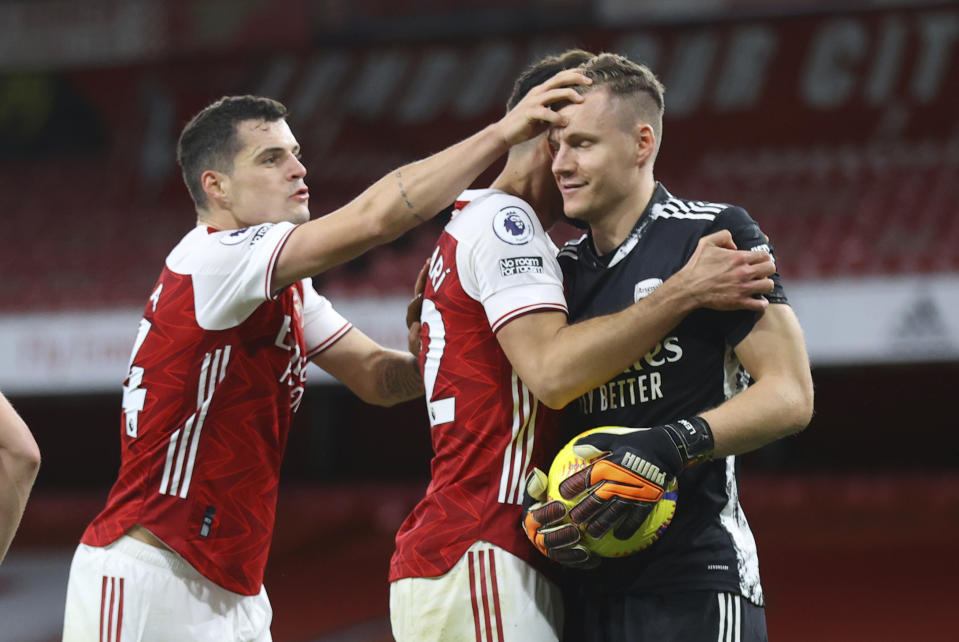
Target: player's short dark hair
{"type": "Point", "coordinates": [625, 78]}
{"type": "Point", "coordinates": [541, 71]}
{"type": "Point", "coordinates": [210, 140]}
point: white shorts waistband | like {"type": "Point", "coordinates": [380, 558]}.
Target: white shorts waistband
{"type": "Point", "coordinates": [159, 557]}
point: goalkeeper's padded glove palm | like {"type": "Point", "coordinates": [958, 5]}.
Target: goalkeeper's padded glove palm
{"type": "Point", "coordinates": [639, 463]}
{"type": "Point", "coordinates": [549, 530]}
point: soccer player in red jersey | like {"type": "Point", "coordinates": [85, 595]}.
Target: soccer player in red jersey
{"type": "Point", "coordinates": [19, 463]}
{"type": "Point", "coordinates": [497, 357]}
{"type": "Point", "coordinates": [219, 364]}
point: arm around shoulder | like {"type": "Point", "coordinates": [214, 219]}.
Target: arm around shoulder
{"type": "Point", "coordinates": [559, 362]}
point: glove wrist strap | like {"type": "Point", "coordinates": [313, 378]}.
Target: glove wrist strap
{"type": "Point", "coordinates": [693, 438]}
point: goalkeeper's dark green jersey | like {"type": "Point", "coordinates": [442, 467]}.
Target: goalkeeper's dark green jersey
{"type": "Point", "coordinates": [709, 545]}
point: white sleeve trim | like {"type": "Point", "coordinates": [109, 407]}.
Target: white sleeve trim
{"type": "Point", "coordinates": [339, 334]}
{"type": "Point", "coordinates": [518, 312]}
{"type": "Point", "coordinates": [322, 324]}
{"type": "Point", "coordinates": [270, 268]}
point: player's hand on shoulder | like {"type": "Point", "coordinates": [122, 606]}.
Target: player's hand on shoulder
{"type": "Point", "coordinates": [548, 528]}
{"type": "Point", "coordinates": [721, 277]}
{"type": "Point", "coordinates": [533, 114]}
{"type": "Point", "coordinates": [636, 467]}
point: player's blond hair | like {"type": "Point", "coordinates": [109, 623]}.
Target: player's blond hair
{"type": "Point", "coordinates": [629, 80]}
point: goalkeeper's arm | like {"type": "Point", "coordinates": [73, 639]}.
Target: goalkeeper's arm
{"type": "Point", "coordinates": [780, 401]}
{"type": "Point", "coordinates": [625, 485]}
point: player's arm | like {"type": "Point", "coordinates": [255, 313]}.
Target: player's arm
{"type": "Point", "coordinates": [19, 463]}
{"type": "Point", "coordinates": [376, 374]}
{"type": "Point", "coordinates": [640, 462]}
{"type": "Point", "coordinates": [559, 362]}
{"type": "Point", "coordinates": [416, 192]}
{"type": "Point", "coordinates": [780, 401]}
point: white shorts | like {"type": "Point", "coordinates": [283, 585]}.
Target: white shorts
{"type": "Point", "coordinates": [490, 595]}
{"type": "Point", "coordinates": [129, 591]}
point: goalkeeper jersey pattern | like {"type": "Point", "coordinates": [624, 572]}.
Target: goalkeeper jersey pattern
{"type": "Point", "coordinates": [216, 373]}
{"type": "Point", "coordinates": [709, 544]}
{"type": "Point", "coordinates": [492, 263]}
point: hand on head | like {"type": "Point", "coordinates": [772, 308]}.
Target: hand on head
{"type": "Point", "coordinates": [533, 114]}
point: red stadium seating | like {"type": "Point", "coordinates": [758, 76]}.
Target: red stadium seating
{"type": "Point", "coordinates": [843, 221]}
{"type": "Point", "coordinates": [97, 240]}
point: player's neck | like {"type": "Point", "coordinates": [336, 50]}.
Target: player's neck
{"type": "Point", "coordinates": [217, 219]}
{"type": "Point", "coordinates": [531, 184]}
{"type": "Point", "coordinates": [611, 230]}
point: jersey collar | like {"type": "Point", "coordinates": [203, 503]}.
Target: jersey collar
{"type": "Point", "coordinates": [660, 195]}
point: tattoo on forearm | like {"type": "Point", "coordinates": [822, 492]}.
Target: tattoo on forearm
{"type": "Point", "coordinates": [409, 205]}
{"type": "Point", "coordinates": [398, 379]}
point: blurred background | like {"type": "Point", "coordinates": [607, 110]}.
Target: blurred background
{"type": "Point", "coordinates": [834, 123]}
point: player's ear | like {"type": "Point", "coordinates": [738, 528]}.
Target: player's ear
{"type": "Point", "coordinates": [216, 186]}
{"type": "Point", "coordinates": [645, 143]}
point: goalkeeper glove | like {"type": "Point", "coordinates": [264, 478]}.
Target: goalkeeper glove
{"type": "Point", "coordinates": [548, 529]}
{"type": "Point", "coordinates": [639, 463]}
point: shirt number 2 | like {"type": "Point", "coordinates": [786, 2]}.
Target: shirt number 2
{"type": "Point", "coordinates": [441, 411]}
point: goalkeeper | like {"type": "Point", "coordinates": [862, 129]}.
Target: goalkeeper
{"type": "Point", "coordinates": [687, 403]}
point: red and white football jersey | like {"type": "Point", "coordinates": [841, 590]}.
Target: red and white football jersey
{"type": "Point", "coordinates": [492, 263]}
{"type": "Point", "coordinates": [216, 373]}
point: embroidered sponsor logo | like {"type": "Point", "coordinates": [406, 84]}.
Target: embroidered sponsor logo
{"type": "Point", "coordinates": [521, 265]}
{"type": "Point", "coordinates": [645, 287]}
{"type": "Point", "coordinates": [512, 225]}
